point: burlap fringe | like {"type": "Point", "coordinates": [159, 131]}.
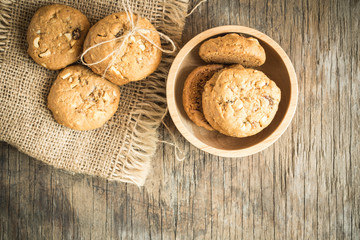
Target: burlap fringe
{"type": "Point", "coordinates": [4, 26]}
{"type": "Point", "coordinates": [134, 164]}
{"type": "Point", "coordinates": [173, 21]}
{"type": "Point", "coordinates": [148, 114]}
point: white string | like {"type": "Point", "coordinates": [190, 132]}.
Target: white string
{"type": "Point", "coordinates": [141, 31]}
{"type": "Point", "coordinates": [196, 6]}
{"type": "Point", "coordinates": [128, 12]}
{"type": "Point", "coordinates": [134, 29]}
{"type": "Point", "coordinates": [174, 143]}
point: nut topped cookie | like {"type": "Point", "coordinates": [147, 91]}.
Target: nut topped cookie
{"type": "Point", "coordinates": [55, 36]}
{"type": "Point", "coordinates": [193, 89]}
{"type": "Point", "coordinates": [240, 102]}
{"type": "Point", "coordinates": [233, 48]}
{"type": "Point", "coordinates": [137, 57]}
{"type": "Point", "coordinates": [81, 100]}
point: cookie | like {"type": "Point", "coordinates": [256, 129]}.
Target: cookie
{"type": "Point", "coordinates": [240, 102]}
{"type": "Point", "coordinates": [193, 89]}
{"type": "Point", "coordinates": [81, 100]}
{"type": "Point", "coordinates": [192, 93]}
{"type": "Point", "coordinates": [56, 35]}
{"type": "Point", "coordinates": [237, 66]}
{"type": "Point", "coordinates": [137, 59]}
{"type": "Point", "coordinates": [233, 48]}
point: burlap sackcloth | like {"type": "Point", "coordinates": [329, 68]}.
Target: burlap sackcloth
{"type": "Point", "coordinates": [123, 148]}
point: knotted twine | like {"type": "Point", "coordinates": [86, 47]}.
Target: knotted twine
{"type": "Point", "coordinates": [134, 30]}
{"type": "Point", "coordinates": [117, 51]}
{"type": "Point", "coordinates": [122, 48]}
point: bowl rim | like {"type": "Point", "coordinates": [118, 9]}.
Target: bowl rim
{"type": "Point", "coordinates": [170, 92]}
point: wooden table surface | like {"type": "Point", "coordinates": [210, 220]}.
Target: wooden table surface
{"type": "Point", "coordinates": [305, 186]}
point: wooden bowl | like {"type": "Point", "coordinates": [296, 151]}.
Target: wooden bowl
{"type": "Point", "coordinates": [277, 67]}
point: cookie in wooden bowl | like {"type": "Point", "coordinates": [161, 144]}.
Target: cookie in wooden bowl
{"type": "Point", "coordinates": [240, 102]}
{"type": "Point", "coordinates": [233, 48]}
{"type": "Point", "coordinates": [192, 93]}
{"type": "Point", "coordinates": [193, 90]}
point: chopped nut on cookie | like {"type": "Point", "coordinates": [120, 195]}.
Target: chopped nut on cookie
{"type": "Point", "coordinates": [255, 105]}
{"type": "Point", "coordinates": [85, 103]}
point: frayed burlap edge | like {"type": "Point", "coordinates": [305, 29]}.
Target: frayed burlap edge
{"type": "Point", "coordinates": [149, 113]}
{"type": "Point", "coordinates": [135, 163]}
{"type": "Point", "coordinates": [4, 26]}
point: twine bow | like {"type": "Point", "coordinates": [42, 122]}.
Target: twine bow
{"type": "Point", "coordinates": [134, 30]}
{"type": "Point", "coordinates": [118, 50]}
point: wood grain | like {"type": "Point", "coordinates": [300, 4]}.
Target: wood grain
{"type": "Point", "coordinates": [305, 186]}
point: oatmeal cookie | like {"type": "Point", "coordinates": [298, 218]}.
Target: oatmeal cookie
{"type": "Point", "coordinates": [233, 48]}
{"type": "Point", "coordinates": [192, 93]}
{"type": "Point", "coordinates": [81, 100]}
{"type": "Point", "coordinates": [137, 58]}
{"type": "Point", "coordinates": [56, 35]}
{"type": "Point", "coordinates": [240, 102]}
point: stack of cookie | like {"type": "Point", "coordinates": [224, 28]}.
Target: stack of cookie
{"type": "Point", "coordinates": [237, 100]}
{"type": "Point", "coordinates": [80, 98]}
